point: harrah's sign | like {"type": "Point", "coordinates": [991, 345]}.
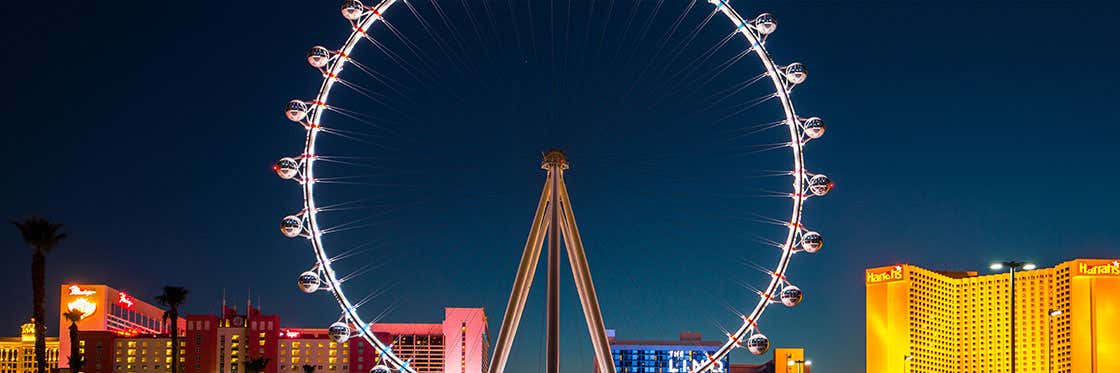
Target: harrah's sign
{"type": "Point", "coordinates": [884, 275]}
{"type": "Point", "coordinates": [1099, 268]}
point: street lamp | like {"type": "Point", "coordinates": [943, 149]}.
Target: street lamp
{"type": "Point", "coordinates": [800, 364]}
{"type": "Point", "coordinates": [1012, 266]}
{"type": "Point", "coordinates": [908, 359]}
{"type": "Point", "coordinates": [1049, 336]}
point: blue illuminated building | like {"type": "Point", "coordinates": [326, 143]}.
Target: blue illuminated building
{"type": "Point", "coordinates": [638, 356]}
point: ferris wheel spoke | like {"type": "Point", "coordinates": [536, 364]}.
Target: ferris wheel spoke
{"type": "Point", "coordinates": [678, 49]}
{"type": "Point", "coordinates": [689, 68]}
{"type": "Point", "coordinates": [732, 111]}
{"type": "Point", "coordinates": [532, 34]}
{"type": "Point", "coordinates": [581, 63]}
{"type": "Point", "coordinates": [751, 130]}
{"type": "Point", "coordinates": [643, 31]}
{"type": "Point", "coordinates": [354, 225]}
{"type": "Point", "coordinates": [455, 34]}
{"type": "Point", "coordinates": [440, 41]}
{"type": "Point", "coordinates": [386, 81]}
{"type": "Point", "coordinates": [367, 268]}
{"type": "Point", "coordinates": [377, 292]}
{"type": "Point", "coordinates": [626, 27]}
{"type": "Point", "coordinates": [416, 73]}
{"type": "Point", "coordinates": [716, 98]}
{"type": "Point", "coordinates": [385, 312]}
{"type": "Point", "coordinates": [346, 161]}
{"type": "Point", "coordinates": [489, 17]}
{"type": "Point", "coordinates": [417, 52]}
{"type": "Point", "coordinates": [761, 148]}
{"type": "Point", "coordinates": [516, 32]}
{"type": "Point", "coordinates": [374, 96]}
{"type": "Point", "coordinates": [371, 121]}
{"type": "Point", "coordinates": [355, 136]}
{"type": "Point", "coordinates": [597, 54]}
{"type": "Point", "coordinates": [473, 21]}
{"type": "Point", "coordinates": [667, 83]}
{"type": "Point", "coordinates": [662, 42]}
{"type": "Point", "coordinates": [719, 70]}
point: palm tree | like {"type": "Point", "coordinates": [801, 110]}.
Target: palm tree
{"type": "Point", "coordinates": [42, 236]}
{"type": "Point", "coordinates": [257, 364]}
{"type": "Point", "coordinates": [308, 368]}
{"type": "Point", "coordinates": [172, 298]}
{"type": "Point", "coordinates": [76, 361]}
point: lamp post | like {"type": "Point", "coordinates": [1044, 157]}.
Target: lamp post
{"type": "Point", "coordinates": [801, 364]}
{"type": "Point", "coordinates": [1012, 266]}
{"type": "Point", "coordinates": [1049, 337]}
{"type": "Point", "coordinates": [908, 358]}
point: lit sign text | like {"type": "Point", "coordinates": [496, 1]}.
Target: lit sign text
{"type": "Point", "coordinates": [77, 290]}
{"type": "Point", "coordinates": [1099, 269]}
{"type": "Point", "coordinates": [887, 275]}
{"type": "Point", "coordinates": [125, 300]}
{"type": "Point", "coordinates": [680, 362]}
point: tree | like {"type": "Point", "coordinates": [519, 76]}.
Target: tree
{"type": "Point", "coordinates": [257, 364]}
{"type": "Point", "coordinates": [75, 360]}
{"type": "Point", "coordinates": [76, 363]}
{"type": "Point", "coordinates": [172, 298]}
{"type": "Point", "coordinates": [308, 368]}
{"type": "Point", "coordinates": [42, 236]}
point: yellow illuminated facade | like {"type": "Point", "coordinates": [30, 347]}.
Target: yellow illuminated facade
{"type": "Point", "coordinates": [1067, 319]}
{"type": "Point", "coordinates": [317, 350]}
{"type": "Point", "coordinates": [145, 354]}
{"type": "Point", "coordinates": [17, 354]}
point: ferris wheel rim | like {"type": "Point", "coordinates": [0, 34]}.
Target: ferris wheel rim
{"type": "Point", "coordinates": [349, 311]}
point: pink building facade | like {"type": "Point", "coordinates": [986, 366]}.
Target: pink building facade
{"type": "Point", "coordinates": [460, 344]}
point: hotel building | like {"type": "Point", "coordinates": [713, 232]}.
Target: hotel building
{"type": "Point", "coordinates": [108, 310]}
{"type": "Point", "coordinates": [17, 354]}
{"type": "Point", "coordinates": [224, 343]}
{"type": "Point", "coordinates": [690, 350]}
{"type": "Point", "coordinates": [642, 356]}
{"type": "Point", "coordinates": [460, 344]}
{"type": "Point", "coordinates": [1066, 319]}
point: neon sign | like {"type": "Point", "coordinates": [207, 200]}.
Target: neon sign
{"type": "Point", "coordinates": [884, 275]}
{"type": "Point", "coordinates": [289, 334]}
{"type": "Point", "coordinates": [125, 300]}
{"type": "Point", "coordinates": [77, 290]}
{"type": "Point", "coordinates": [680, 362]}
{"type": "Point", "coordinates": [1098, 268]}
{"type": "Point", "coordinates": [82, 305]}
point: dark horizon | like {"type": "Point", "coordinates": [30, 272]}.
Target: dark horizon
{"type": "Point", "coordinates": [959, 133]}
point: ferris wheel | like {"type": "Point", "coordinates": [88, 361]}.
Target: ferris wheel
{"type": "Point", "coordinates": [322, 276]}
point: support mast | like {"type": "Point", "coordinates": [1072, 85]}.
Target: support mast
{"type": "Point", "coordinates": [554, 219]}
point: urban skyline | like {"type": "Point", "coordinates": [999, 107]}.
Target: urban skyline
{"type": "Point", "coordinates": [949, 139]}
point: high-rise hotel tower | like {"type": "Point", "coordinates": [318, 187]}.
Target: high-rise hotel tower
{"type": "Point", "coordinates": [1067, 319]}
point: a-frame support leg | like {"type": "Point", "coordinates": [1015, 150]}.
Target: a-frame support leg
{"type": "Point", "coordinates": [524, 280]}
{"type": "Point", "coordinates": [581, 272]}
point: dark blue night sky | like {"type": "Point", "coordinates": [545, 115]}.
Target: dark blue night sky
{"type": "Point", "coordinates": [959, 133]}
